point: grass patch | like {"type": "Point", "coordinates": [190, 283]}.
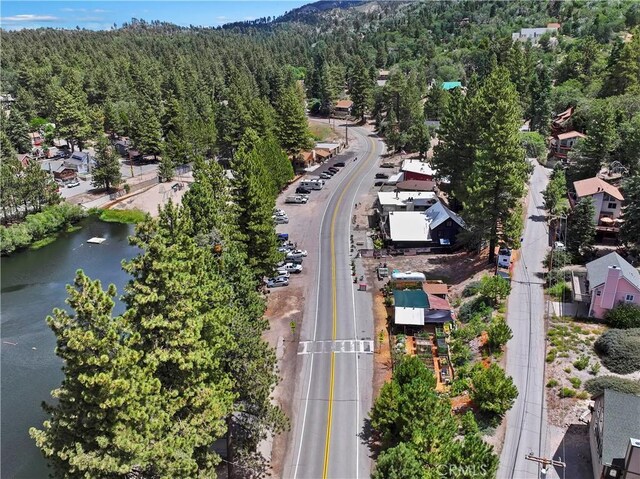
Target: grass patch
{"type": "Point", "coordinates": [73, 228]}
{"type": "Point", "coordinates": [575, 382]}
{"type": "Point", "coordinates": [560, 292]}
{"type": "Point", "coordinates": [567, 393]}
{"type": "Point", "coordinates": [583, 395]}
{"type": "Point", "coordinates": [44, 242]}
{"type": "Point", "coordinates": [122, 216]}
{"type": "Point", "coordinates": [551, 356]}
{"type": "Point", "coordinates": [581, 363]}
{"type": "Point", "coordinates": [552, 383]}
{"type": "Point", "coordinates": [320, 132]}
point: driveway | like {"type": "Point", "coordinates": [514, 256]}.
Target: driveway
{"type": "Point", "coordinates": [526, 421]}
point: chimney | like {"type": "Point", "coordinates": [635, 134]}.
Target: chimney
{"type": "Point", "coordinates": [611, 287]}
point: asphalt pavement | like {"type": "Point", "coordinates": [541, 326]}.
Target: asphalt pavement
{"type": "Point", "coordinates": [333, 389]}
{"type": "Point", "coordinates": [527, 420]}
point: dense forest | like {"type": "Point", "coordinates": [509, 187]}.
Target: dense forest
{"type": "Point", "coordinates": [189, 95]}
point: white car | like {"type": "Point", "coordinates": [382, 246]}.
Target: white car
{"type": "Point", "coordinates": [277, 282]}
{"type": "Point", "coordinates": [558, 245]}
{"type": "Point", "coordinates": [282, 272]}
{"type": "Point", "coordinates": [281, 220]}
{"type": "Point", "coordinates": [297, 253]}
{"type": "Point", "coordinates": [293, 268]}
{"type": "Point", "coordinates": [73, 184]}
{"type": "Point", "coordinates": [279, 212]}
{"type": "Point", "coordinates": [284, 249]}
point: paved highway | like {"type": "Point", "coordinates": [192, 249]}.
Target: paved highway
{"type": "Point", "coordinates": [333, 391]}
{"type": "Point", "coordinates": [526, 421]}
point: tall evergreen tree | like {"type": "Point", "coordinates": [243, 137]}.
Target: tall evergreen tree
{"type": "Point", "coordinates": [73, 121]}
{"type": "Point", "coordinates": [291, 126]}
{"type": "Point", "coordinates": [630, 229]}
{"type": "Point", "coordinates": [146, 130]}
{"type": "Point", "coordinates": [106, 172]}
{"type": "Point", "coordinates": [17, 130]}
{"type": "Point", "coordinates": [539, 111]}
{"type": "Point", "coordinates": [361, 88]}
{"type": "Point", "coordinates": [581, 229]}
{"type": "Point", "coordinates": [94, 429]}
{"type": "Point", "coordinates": [497, 178]}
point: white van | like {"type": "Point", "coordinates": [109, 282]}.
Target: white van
{"type": "Point", "coordinates": [312, 184]}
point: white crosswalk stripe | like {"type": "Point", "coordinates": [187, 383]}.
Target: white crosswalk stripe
{"type": "Point", "coordinates": [337, 346]}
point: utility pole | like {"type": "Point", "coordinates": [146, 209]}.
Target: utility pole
{"type": "Point", "coordinates": [545, 463]}
{"type": "Point", "coordinates": [346, 132]}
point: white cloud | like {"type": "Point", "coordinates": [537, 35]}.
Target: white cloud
{"type": "Point", "coordinates": [100, 10]}
{"type": "Point", "coordinates": [221, 18]}
{"type": "Point", "coordinates": [67, 9]}
{"type": "Point", "coordinates": [29, 17]}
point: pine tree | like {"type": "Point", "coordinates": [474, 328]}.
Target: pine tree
{"type": "Point", "coordinates": [146, 130]}
{"type": "Point", "coordinates": [493, 391]}
{"type": "Point", "coordinates": [106, 172]}
{"type": "Point", "coordinates": [497, 178]}
{"type": "Point", "coordinates": [72, 116]}
{"type": "Point", "coordinates": [255, 196]}
{"type": "Point", "coordinates": [399, 462]}
{"type": "Point", "coordinates": [436, 105]}
{"type": "Point", "coordinates": [291, 124]}
{"type": "Point", "coordinates": [623, 69]}
{"type": "Point", "coordinates": [17, 131]}
{"type": "Point", "coordinates": [455, 153]}
{"type": "Point", "coordinates": [94, 427]}
{"type": "Point", "coordinates": [361, 87]}
{"type": "Point", "coordinates": [180, 308]}
{"type": "Point", "coordinates": [581, 229]}
{"type": "Point", "coordinates": [540, 106]}
{"type": "Point", "coordinates": [630, 229]}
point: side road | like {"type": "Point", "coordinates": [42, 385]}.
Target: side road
{"type": "Point", "coordinates": [527, 420]}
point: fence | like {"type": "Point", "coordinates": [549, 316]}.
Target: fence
{"type": "Point", "coordinates": [381, 253]}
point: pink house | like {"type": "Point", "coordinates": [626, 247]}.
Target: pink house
{"type": "Point", "coordinates": [611, 281]}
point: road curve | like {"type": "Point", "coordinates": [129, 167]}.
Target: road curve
{"type": "Point", "coordinates": [526, 421]}
{"type": "Point", "coordinates": [333, 387]}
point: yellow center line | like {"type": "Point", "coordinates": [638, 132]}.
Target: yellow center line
{"type": "Point", "coordinates": [327, 444]}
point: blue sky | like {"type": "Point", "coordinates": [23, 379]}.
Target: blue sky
{"type": "Point", "coordinates": [100, 15]}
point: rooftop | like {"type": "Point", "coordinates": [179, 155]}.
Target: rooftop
{"type": "Point", "coordinates": [410, 298]}
{"type": "Point", "coordinates": [591, 186]}
{"type": "Point", "coordinates": [344, 104]}
{"type": "Point", "coordinates": [598, 269]}
{"type": "Point", "coordinates": [439, 213]}
{"type": "Point", "coordinates": [409, 316]}
{"type": "Point", "coordinates": [408, 226]}
{"type": "Point", "coordinates": [417, 166]}
{"type": "Point", "coordinates": [416, 185]}
{"type": "Point", "coordinates": [571, 134]}
{"type": "Point", "coordinates": [450, 85]}
{"type": "Point", "coordinates": [435, 288]}
{"type": "Point", "coordinates": [401, 198]}
{"type": "Point", "coordinates": [621, 422]}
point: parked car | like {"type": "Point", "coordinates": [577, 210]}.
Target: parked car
{"type": "Point", "coordinates": [559, 246]}
{"type": "Point", "coordinates": [339, 163]}
{"type": "Point", "coordinates": [282, 272]}
{"type": "Point", "coordinates": [381, 176]}
{"type": "Point", "coordinates": [278, 212]}
{"type": "Point", "coordinates": [284, 249]}
{"type": "Point", "coordinates": [297, 199]}
{"type": "Point", "coordinates": [504, 257]}
{"type": "Point", "coordinates": [293, 268]}
{"type": "Point", "coordinates": [303, 190]}
{"type": "Point", "coordinates": [387, 164]}
{"type": "Point", "coordinates": [73, 184]}
{"type": "Point", "coordinates": [297, 260]}
{"type": "Point", "coordinates": [283, 236]}
{"type": "Point", "coordinates": [281, 220]}
{"type": "Point", "coordinates": [325, 176]}
{"type": "Point", "coordinates": [297, 253]}
{"type": "Point", "coordinates": [333, 169]}
{"type": "Point", "coordinates": [378, 183]}
{"type": "Point", "coordinates": [277, 282]}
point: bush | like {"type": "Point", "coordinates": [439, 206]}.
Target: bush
{"type": "Point", "coordinates": [575, 382]}
{"type": "Point", "coordinates": [551, 356]}
{"type": "Point", "coordinates": [552, 383]}
{"type": "Point", "coordinates": [623, 316]}
{"type": "Point", "coordinates": [567, 393]}
{"type": "Point", "coordinates": [622, 385]}
{"type": "Point", "coordinates": [620, 350]}
{"type": "Point", "coordinates": [560, 291]}
{"type": "Point", "coordinates": [39, 225]}
{"type": "Point", "coordinates": [582, 395]}
{"type": "Point", "coordinates": [471, 289]}
{"type": "Point", "coordinates": [581, 363]}
{"type": "Point", "coordinates": [560, 259]}
{"type": "Point", "coordinates": [476, 306]}
{"type": "Point", "coordinates": [534, 144]}
{"type": "Point", "coordinates": [595, 368]}
{"type": "Point", "coordinates": [494, 289]}
{"type": "Point", "coordinates": [493, 391]}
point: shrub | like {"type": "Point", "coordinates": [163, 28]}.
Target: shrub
{"type": "Point", "coordinates": [567, 393]}
{"type": "Point", "coordinates": [595, 368]}
{"type": "Point", "coordinates": [551, 356]}
{"type": "Point", "coordinates": [582, 395]}
{"type": "Point", "coordinates": [623, 316]}
{"type": "Point", "coordinates": [581, 363]}
{"type": "Point", "coordinates": [552, 383]}
{"type": "Point", "coordinates": [575, 382]}
{"type": "Point", "coordinates": [475, 306]}
{"type": "Point", "coordinates": [471, 289]}
{"type": "Point", "coordinates": [493, 391]}
{"type": "Point", "coordinates": [39, 225]}
{"type": "Point", "coordinates": [619, 350]}
{"type": "Point", "coordinates": [494, 289]}
{"type": "Point", "coordinates": [560, 291]}
{"type": "Point", "coordinates": [560, 259]}
{"type": "Point", "coordinates": [622, 385]}
{"type": "Point", "coordinates": [499, 333]}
